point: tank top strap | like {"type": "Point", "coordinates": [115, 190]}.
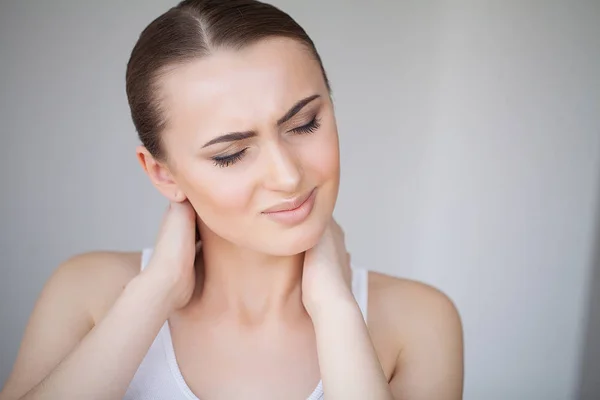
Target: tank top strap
{"type": "Point", "coordinates": [360, 288]}
{"type": "Point", "coordinates": [146, 255]}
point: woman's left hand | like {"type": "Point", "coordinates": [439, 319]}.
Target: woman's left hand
{"type": "Point", "coordinates": [327, 275]}
{"type": "Point", "coordinates": [342, 337]}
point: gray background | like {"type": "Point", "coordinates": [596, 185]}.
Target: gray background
{"type": "Point", "coordinates": [470, 134]}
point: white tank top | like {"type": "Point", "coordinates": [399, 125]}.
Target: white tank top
{"type": "Point", "coordinates": [158, 377]}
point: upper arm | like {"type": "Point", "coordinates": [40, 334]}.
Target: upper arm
{"type": "Point", "coordinates": [62, 316]}
{"type": "Point", "coordinates": [430, 361]}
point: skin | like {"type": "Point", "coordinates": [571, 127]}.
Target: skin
{"type": "Point", "coordinates": [259, 293]}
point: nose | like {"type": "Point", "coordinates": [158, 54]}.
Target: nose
{"type": "Point", "coordinates": [284, 170]}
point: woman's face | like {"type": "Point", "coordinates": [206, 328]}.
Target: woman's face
{"type": "Point", "coordinates": [252, 132]}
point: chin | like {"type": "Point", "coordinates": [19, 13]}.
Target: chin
{"type": "Point", "coordinates": [296, 240]}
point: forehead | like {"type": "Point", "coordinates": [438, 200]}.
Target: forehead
{"type": "Point", "coordinates": [230, 88]}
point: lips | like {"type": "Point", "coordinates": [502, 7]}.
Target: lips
{"type": "Point", "coordinates": [289, 205]}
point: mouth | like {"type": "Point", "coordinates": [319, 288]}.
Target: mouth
{"type": "Point", "coordinates": [290, 205]}
{"type": "Point", "coordinates": [294, 210]}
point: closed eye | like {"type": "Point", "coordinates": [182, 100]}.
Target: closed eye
{"type": "Point", "coordinates": [312, 126]}
{"type": "Point", "coordinates": [226, 161]}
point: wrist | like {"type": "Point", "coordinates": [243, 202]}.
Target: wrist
{"type": "Point", "coordinates": [328, 306]}
{"type": "Point", "coordinates": [153, 289]}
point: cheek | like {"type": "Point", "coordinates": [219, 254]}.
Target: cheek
{"type": "Point", "coordinates": [231, 195]}
{"type": "Point", "coordinates": [218, 199]}
{"type": "Point", "coordinates": [321, 159]}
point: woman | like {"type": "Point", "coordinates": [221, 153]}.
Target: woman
{"type": "Point", "coordinates": [233, 108]}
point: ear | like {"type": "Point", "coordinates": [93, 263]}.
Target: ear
{"type": "Point", "coordinates": [160, 175]}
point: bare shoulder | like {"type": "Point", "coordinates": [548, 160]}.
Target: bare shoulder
{"type": "Point", "coordinates": [78, 295]}
{"type": "Point", "coordinates": [405, 300]}
{"type": "Point", "coordinates": [421, 326]}
{"type": "Point", "coordinates": [95, 278]}
{"type": "Point", "coordinates": [104, 263]}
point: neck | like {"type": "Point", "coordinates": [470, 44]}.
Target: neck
{"type": "Point", "coordinates": [250, 286]}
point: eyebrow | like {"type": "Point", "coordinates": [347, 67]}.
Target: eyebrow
{"type": "Point", "coordinates": [234, 136]}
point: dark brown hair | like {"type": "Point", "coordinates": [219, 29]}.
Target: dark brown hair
{"type": "Point", "coordinates": [188, 31]}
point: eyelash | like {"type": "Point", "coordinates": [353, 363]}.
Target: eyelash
{"type": "Point", "coordinates": [226, 161]}
{"type": "Point", "coordinates": [312, 126]}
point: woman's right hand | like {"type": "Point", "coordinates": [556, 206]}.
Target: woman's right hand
{"type": "Point", "coordinates": [172, 262]}
{"type": "Point", "coordinates": [71, 352]}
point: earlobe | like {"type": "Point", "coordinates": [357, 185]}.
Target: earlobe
{"type": "Point", "coordinates": [179, 196]}
{"type": "Point", "coordinates": [159, 175]}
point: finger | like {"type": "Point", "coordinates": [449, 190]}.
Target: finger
{"type": "Point", "coordinates": [336, 226]}
{"type": "Point", "coordinates": [183, 208]}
